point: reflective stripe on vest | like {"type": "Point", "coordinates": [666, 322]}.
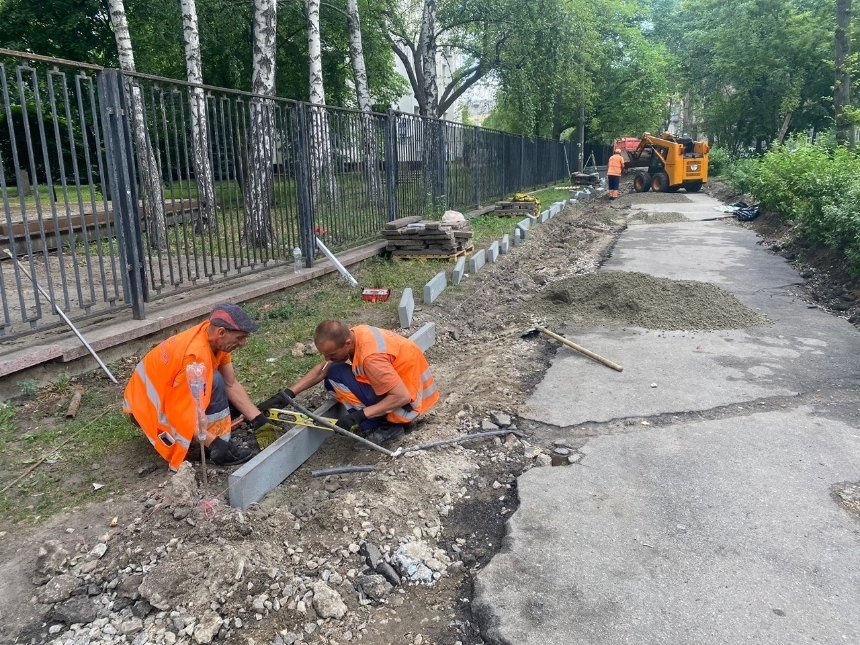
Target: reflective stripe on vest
{"type": "Point", "coordinates": [152, 395]}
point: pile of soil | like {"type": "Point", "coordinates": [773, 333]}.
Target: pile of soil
{"type": "Point", "coordinates": [658, 218]}
{"type": "Point", "coordinates": [652, 198]}
{"type": "Point", "coordinates": [641, 300]}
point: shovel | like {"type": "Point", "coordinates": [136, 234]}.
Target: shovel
{"type": "Point", "coordinates": [564, 341]}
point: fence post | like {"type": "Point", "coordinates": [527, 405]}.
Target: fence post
{"type": "Point", "coordinates": [476, 159]}
{"type": "Point", "coordinates": [442, 162]}
{"type": "Point", "coordinates": [391, 164]}
{"type": "Point", "coordinates": [304, 198]}
{"type": "Point", "coordinates": [122, 186]}
{"type": "Point", "coordinates": [522, 161]}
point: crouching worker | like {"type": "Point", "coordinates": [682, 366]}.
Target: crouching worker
{"type": "Point", "coordinates": [386, 384]}
{"type": "Point", "coordinates": [159, 398]}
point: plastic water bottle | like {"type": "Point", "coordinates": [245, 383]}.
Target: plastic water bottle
{"type": "Point", "coordinates": [298, 261]}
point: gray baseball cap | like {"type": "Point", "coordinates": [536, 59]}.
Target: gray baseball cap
{"type": "Point", "coordinates": [233, 318]}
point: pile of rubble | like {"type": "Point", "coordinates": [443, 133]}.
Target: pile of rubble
{"type": "Point", "coordinates": [414, 237]}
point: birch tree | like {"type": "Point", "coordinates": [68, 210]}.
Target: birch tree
{"type": "Point", "coordinates": [146, 162]}
{"type": "Point", "coordinates": [362, 91]}
{"type": "Point", "coordinates": [842, 87]}
{"type": "Point", "coordinates": [321, 162]}
{"type": "Point", "coordinates": [259, 184]}
{"type": "Point", "coordinates": [197, 110]}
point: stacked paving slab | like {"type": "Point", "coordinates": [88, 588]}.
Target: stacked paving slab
{"type": "Point", "coordinates": [516, 209]}
{"type": "Point", "coordinates": [414, 237]}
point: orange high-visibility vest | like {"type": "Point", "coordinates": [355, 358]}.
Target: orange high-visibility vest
{"type": "Point", "coordinates": [158, 395]}
{"type": "Point", "coordinates": [409, 363]}
{"type": "Point", "coordinates": [615, 165]}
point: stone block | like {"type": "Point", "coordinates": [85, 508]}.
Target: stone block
{"type": "Point", "coordinates": [493, 251]}
{"type": "Point", "coordinates": [436, 286]}
{"type": "Point", "coordinates": [505, 244]}
{"type": "Point", "coordinates": [406, 308]}
{"type": "Point", "coordinates": [518, 237]}
{"type": "Point", "coordinates": [254, 479]}
{"type": "Point", "coordinates": [523, 229]}
{"type": "Point", "coordinates": [425, 337]}
{"type": "Point", "coordinates": [459, 270]}
{"type": "Point", "coordinates": [545, 215]}
{"type": "Point", "coordinates": [477, 261]}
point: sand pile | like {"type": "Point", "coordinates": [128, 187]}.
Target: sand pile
{"type": "Point", "coordinates": [641, 300]}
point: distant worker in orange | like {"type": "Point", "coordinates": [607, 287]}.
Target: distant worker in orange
{"type": "Point", "coordinates": [613, 173]}
{"type": "Point", "coordinates": [386, 384]}
{"type": "Point", "coordinates": [159, 397]}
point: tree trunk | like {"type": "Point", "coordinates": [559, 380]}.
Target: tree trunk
{"type": "Point", "coordinates": [150, 173]}
{"type": "Point", "coordinates": [259, 177]}
{"type": "Point", "coordinates": [370, 146]}
{"type": "Point", "coordinates": [842, 86]}
{"type": "Point", "coordinates": [580, 138]}
{"type": "Point", "coordinates": [427, 51]}
{"type": "Point", "coordinates": [429, 106]}
{"type": "Point", "coordinates": [321, 162]}
{"type": "Point", "coordinates": [199, 125]}
{"type": "Point", "coordinates": [783, 129]}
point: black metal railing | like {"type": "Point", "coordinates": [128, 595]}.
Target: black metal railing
{"type": "Point", "coordinates": [119, 189]}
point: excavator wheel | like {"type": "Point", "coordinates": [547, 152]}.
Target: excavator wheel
{"type": "Point", "coordinates": [693, 187]}
{"type": "Point", "coordinates": [660, 182]}
{"type": "Point", "coordinates": [642, 182]}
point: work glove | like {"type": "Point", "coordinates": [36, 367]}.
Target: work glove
{"type": "Point", "coordinates": [265, 432]}
{"type": "Point", "coordinates": [277, 400]}
{"type": "Point", "coordinates": [351, 420]}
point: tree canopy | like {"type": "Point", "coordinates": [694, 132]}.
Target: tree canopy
{"type": "Point", "coordinates": [741, 72]}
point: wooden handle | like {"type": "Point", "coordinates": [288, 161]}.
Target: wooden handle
{"type": "Point", "coordinates": [580, 349]}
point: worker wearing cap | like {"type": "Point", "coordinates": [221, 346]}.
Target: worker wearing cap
{"type": "Point", "coordinates": [386, 384]}
{"type": "Point", "coordinates": [160, 400]}
{"type": "Point", "coordinates": [613, 173]}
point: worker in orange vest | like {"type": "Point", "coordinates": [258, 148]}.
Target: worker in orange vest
{"type": "Point", "coordinates": [385, 386]}
{"type": "Point", "coordinates": [613, 173]}
{"type": "Point", "coordinates": [160, 400]}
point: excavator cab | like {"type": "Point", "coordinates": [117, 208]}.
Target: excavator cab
{"type": "Point", "coordinates": [672, 163]}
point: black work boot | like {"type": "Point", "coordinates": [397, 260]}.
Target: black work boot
{"type": "Point", "coordinates": [223, 453]}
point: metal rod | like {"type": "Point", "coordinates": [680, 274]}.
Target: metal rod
{"type": "Point", "coordinates": [340, 470]}
{"type": "Point", "coordinates": [337, 429]}
{"type": "Point", "coordinates": [462, 439]}
{"type": "Point", "coordinates": [341, 269]}
{"type": "Point", "coordinates": [64, 317]}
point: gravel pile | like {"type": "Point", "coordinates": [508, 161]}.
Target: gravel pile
{"type": "Point", "coordinates": [637, 299]}
{"type": "Point", "coordinates": [658, 218]}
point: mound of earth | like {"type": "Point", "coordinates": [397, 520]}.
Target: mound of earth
{"type": "Point", "coordinates": [658, 218]}
{"type": "Point", "coordinates": [653, 198]}
{"type": "Point", "coordinates": [641, 300]}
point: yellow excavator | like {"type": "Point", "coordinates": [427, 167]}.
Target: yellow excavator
{"type": "Point", "coordinates": [670, 163]}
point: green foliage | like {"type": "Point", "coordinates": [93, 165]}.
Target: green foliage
{"type": "Point", "coordinates": [28, 387]}
{"type": "Point", "coordinates": [751, 69]}
{"type": "Point", "coordinates": [718, 161]}
{"type": "Point", "coordinates": [815, 185]}
{"type": "Point", "coordinates": [80, 30]}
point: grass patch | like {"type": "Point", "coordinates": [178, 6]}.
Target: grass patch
{"type": "Point", "coordinates": [548, 196]}
{"type": "Point", "coordinates": [487, 228]}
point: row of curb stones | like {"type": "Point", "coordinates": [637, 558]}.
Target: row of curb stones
{"type": "Point", "coordinates": [434, 288]}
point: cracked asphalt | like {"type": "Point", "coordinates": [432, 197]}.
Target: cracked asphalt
{"type": "Point", "coordinates": [701, 510]}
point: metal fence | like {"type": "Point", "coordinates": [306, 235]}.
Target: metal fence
{"type": "Point", "coordinates": [119, 189]}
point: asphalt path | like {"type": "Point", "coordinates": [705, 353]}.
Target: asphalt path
{"type": "Point", "coordinates": [702, 510]}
